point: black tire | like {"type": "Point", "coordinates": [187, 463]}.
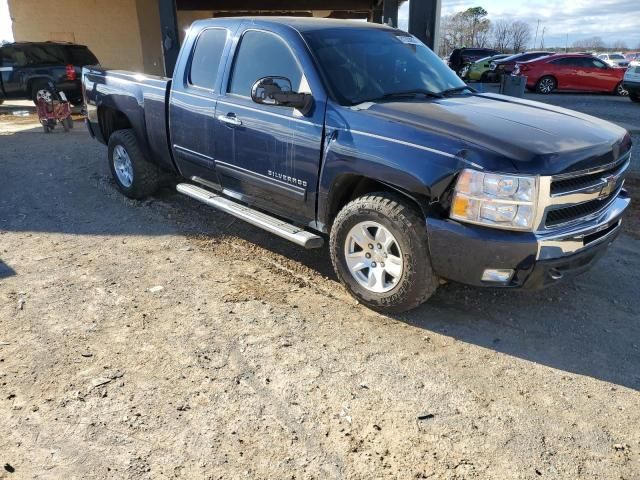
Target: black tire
{"type": "Point", "coordinates": [635, 97]}
{"type": "Point", "coordinates": [620, 91]}
{"type": "Point", "coordinates": [67, 123]}
{"type": "Point", "coordinates": [545, 88]}
{"type": "Point", "coordinates": [146, 176]}
{"type": "Point", "coordinates": [46, 129]}
{"type": "Point", "coordinates": [417, 281]}
{"type": "Point", "coordinates": [484, 78]}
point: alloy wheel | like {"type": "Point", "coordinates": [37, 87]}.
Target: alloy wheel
{"type": "Point", "coordinates": [373, 257]}
{"type": "Point", "coordinates": [547, 85]}
{"type": "Point", "coordinates": [123, 166]}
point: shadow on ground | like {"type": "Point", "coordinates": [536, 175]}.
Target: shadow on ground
{"type": "Point", "coordinates": [59, 184]}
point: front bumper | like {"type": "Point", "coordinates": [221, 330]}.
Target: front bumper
{"type": "Point", "coordinates": [461, 252]}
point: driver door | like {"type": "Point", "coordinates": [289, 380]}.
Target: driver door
{"type": "Point", "coordinates": [267, 155]}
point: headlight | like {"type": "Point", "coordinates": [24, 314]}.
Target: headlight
{"type": "Point", "coordinates": [494, 200]}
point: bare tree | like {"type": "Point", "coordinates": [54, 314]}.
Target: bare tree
{"type": "Point", "coordinates": [591, 43]}
{"type": "Point", "coordinates": [619, 45]}
{"type": "Point", "coordinates": [501, 32]}
{"type": "Point", "coordinates": [520, 35]}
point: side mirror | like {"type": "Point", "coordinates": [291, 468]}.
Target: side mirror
{"type": "Point", "coordinates": [278, 91]}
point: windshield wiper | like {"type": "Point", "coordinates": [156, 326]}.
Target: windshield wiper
{"type": "Point", "coordinates": [405, 94]}
{"type": "Point", "coordinates": [449, 91]}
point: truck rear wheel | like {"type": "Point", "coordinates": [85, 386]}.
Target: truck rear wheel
{"type": "Point", "coordinates": [380, 253]}
{"type": "Point", "coordinates": [134, 175]}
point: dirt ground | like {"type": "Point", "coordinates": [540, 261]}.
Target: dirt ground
{"type": "Point", "coordinates": [163, 339]}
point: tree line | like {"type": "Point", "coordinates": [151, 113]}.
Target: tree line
{"type": "Point", "coordinates": [473, 28]}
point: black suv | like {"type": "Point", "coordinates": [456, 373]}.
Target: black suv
{"type": "Point", "coordinates": [462, 56]}
{"type": "Point", "coordinates": [28, 67]}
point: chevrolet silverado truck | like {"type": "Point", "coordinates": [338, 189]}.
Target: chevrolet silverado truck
{"type": "Point", "coordinates": [317, 129]}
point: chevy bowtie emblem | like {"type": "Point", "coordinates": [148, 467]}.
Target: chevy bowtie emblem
{"type": "Point", "coordinates": [609, 187]}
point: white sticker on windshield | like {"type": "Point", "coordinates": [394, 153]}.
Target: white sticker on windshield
{"type": "Point", "coordinates": [408, 40]}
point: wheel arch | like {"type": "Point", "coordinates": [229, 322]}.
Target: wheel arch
{"type": "Point", "coordinates": [31, 82]}
{"type": "Point", "coordinates": [111, 119]}
{"type": "Point", "coordinates": [348, 187]}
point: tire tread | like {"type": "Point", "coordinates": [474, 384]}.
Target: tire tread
{"type": "Point", "coordinates": [420, 282]}
{"type": "Point", "coordinates": [146, 175]}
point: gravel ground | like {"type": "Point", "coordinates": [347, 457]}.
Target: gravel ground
{"type": "Point", "coordinates": [162, 339]}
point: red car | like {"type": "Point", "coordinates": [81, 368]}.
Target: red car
{"type": "Point", "coordinates": [571, 72]}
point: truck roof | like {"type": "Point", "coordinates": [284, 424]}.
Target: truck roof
{"type": "Point", "coordinates": [301, 24]}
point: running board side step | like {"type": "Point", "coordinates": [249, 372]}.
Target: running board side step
{"type": "Point", "coordinates": [266, 222]}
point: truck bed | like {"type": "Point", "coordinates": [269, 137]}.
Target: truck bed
{"type": "Point", "coordinates": [141, 102]}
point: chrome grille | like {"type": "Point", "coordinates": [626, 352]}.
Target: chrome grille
{"type": "Point", "coordinates": [564, 185]}
{"type": "Point", "coordinates": [578, 197]}
{"type": "Point", "coordinates": [581, 211]}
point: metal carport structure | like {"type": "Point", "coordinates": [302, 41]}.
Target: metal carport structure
{"type": "Point", "coordinates": [423, 15]}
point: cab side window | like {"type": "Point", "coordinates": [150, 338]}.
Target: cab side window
{"type": "Point", "coordinates": [566, 62]}
{"type": "Point", "coordinates": [205, 61]}
{"type": "Point", "coordinates": [599, 64]}
{"type": "Point", "coordinates": [262, 54]}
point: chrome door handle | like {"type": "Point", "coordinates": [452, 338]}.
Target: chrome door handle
{"type": "Point", "coordinates": [230, 120]}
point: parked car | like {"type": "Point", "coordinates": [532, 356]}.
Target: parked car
{"type": "Point", "coordinates": [632, 56]}
{"type": "Point", "coordinates": [614, 59]}
{"type": "Point", "coordinates": [572, 72]}
{"type": "Point", "coordinates": [632, 81]}
{"type": "Point", "coordinates": [317, 129]}
{"type": "Point", "coordinates": [27, 68]}
{"type": "Point", "coordinates": [480, 69]}
{"type": "Point", "coordinates": [463, 56]}
{"type": "Point", "coordinates": [506, 65]}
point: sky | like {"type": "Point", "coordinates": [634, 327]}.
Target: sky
{"type": "Point", "coordinates": [610, 19]}
{"type": "Point", "coordinates": [5, 22]}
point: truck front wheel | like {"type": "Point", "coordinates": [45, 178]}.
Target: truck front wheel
{"type": "Point", "coordinates": [380, 253]}
{"type": "Point", "coordinates": [134, 175]}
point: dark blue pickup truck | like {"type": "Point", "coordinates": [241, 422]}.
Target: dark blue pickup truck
{"type": "Point", "coordinates": [355, 132]}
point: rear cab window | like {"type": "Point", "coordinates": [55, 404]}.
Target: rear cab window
{"type": "Point", "coordinates": [80, 56]}
{"type": "Point", "coordinates": [206, 57]}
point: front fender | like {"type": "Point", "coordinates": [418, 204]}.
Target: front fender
{"type": "Point", "coordinates": [420, 174]}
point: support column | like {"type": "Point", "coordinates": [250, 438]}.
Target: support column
{"type": "Point", "coordinates": [424, 21]}
{"type": "Point", "coordinates": [170, 36]}
{"type": "Point", "coordinates": [375, 14]}
{"type": "Point", "coordinates": [390, 12]}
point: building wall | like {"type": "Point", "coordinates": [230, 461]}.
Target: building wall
{"type": "Point", "coordinates": [150, 35]}
{"type": "Point", "coordinates": [187, 17]}
{"type": "Point", "coordinates": [123, 34]}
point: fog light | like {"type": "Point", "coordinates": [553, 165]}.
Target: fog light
{"type": "Point", "coordinates": [497, 275]}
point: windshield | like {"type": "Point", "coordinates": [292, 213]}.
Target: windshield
{"type": "Point", "coordinates": [368, 64]}
{"type": "Point", "coordinates": [616, 57]}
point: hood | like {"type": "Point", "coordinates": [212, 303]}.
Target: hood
{"type": "Point", "coordinates": [535, 137]}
